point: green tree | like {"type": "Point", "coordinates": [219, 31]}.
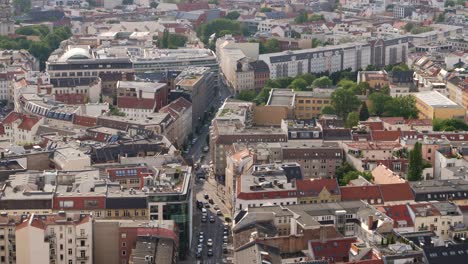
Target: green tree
{"type": "Point", "coordinates": [35, 30]}
{"type": "Point", "coordinates": [316, 17]}
{"type": "Point", "coordinates": [415, 163]}
{"type": "Point", "coordinates": [378, 101]}
{"type": "Point", "coordinates": [265, 9]}
{"type": "Point", "coordinates": [323, 81]}
{"type": "Point", "coordinates": [440, 18]}
{"type": "Point", "coordinates": [400, 67]}
{"type": "Point", "coordinates": [215, 26]}
{"type": "Point", "coordinates": [233, 15]}
{"type": "Point", "coordinates": [352, 120]}
{"type": "Point", "coordinates": [127, 2]}
{"type": "Point", "coordinates": [302, 17]}
{"type": "Point", "coordinates": [316, 43]}
{"type": "Point", "coordinates": [262, 97]}
{"type": "Point", "coordinates": [363, 88]}
{"type": "Point", "coordinates": [153, 4]}
{"type": "Point", "coordinates": [213, 2]}
{"type": "Point", "coordinates": [246, 95]}
{"type": "Point", "coordinates": [449, 125]}
{"type": "Point", "coordinates": [449, 3]}
{"type": "Point", "coordinates": [269, 46]}
{"type": "Point", "coordinates": [40, 50]}
{"type": "Point", "coordinates": [363, 112]}
{"type": "Point", "coordinates": [347, 84]}
{"type": "Point", "coordinates": [328, 110]}
{"type": "Point", "coordinates": [344, 102]}
{"type": "Point", "coordinates": [299, 84]}
{"type": "Point", "coordinates": [308, 77]}
{"type": "Point", "coordinates": [404, 106]}
{"type": "Point", "coordinates": [461, 2]}
{"type": "Point", "coordinates": [353, 175]}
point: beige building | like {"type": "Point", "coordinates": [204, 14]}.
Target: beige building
{"type": "Point", "coordinates": [309, 104]}
{"type": "Point", "coordinates": [234, 58]}
{"type": "Point", "coordinates": [71, 159]}
{"type": "Point", "coordinates": [59, 238]}
{"type": "Point", "coordinates": [181, 111]}
{"type": "Point", "coordinates": [200, 84]}
{"type": "Point", "coordinates": [434, 105]}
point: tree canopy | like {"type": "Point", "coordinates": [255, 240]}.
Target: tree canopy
{"type": "Point", "coordinates": [270, 46]}
{"type": "Point", "coordinates": [328, 110]}
{"type": "Point", "coordinates": [218, 26]}
{"type": "Point", "coordinates": [299, 84]}
{"type": "Point", "coordinates": [247, 95]}
{"type": "Point", "coordinates": [22, 6]}
{"type": "Point", "coordinates": [323, 81]}
{"type": "Point", "coordinates": [385, 105]}
{"type": "Point", "coordinates": [171, 41]}
{"type": "Point", "coordinates": [352, 120]}
{"type": "Point", "coordinates": [344, 102]}
{"type": "Point", "coordinates": [449, 125]}
{"type": "Point", "coordinates": [346, 172]}
{"type": "Point", "coordinates": [415, 163]}
{"type": "Point", "coordinates": [363, 112]}
{"type": "Point", "coordinates": [233, 15]}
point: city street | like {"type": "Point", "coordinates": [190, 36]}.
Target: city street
{"type": "Point", "coordinates": [208, 186]}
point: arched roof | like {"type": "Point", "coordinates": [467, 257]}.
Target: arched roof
{"type": "Point", "coordinates": [75, 53]}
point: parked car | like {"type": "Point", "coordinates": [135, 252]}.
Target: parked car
{"type": "Point", "coordinates": [225, 239]}
{"type": "Point", "coordinates": [211, 201]}
{"type": "Point", "coordinates": [218, 212]}
{"type": "Point", "coordinates": [207, 196]}
{"type": "Point", "coordinates": [212, 219]}
{"type": "Point", "coordinates": [209, 242]}
{"type": "Point", "coordinates": [210, 252]}
{"type": "Point", "coordinates": [207, 205]}
{"type": "Point", "coordinates": [203, 219]}
{"type": "Point", "coordinates": [216, 207]}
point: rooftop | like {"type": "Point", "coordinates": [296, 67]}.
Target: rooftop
{"type": "Point", "coordinates": [435, 99]}
{"type": "Point", "coordinates": [281, 97]}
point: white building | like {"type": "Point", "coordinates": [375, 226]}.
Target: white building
{"type": "Point", "coordinates": [71, 159]}
{"type": "Point", "coordinates": [61, 238]}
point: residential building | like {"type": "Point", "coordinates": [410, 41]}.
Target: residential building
{"type": "Point", "coordinates": [21, 128]}
{"type": "Point", "coordinates": [403, 11]}
{"type": "Point", "coordinates": [317, 60]}
{"type": "Point", "coordinates": [71, 159]}
{"type": "Point", "coordinates": [118, 241]}
{"type": "Point", "coordinates": [437, 217]}
{"type": "Point", "coordinates": [455, 253]}
{"type": "Point", "coordinates": [376, 79]}
{"type": "Point", "coordinates": [7, 25]}
{"type": "Point", "coordinates": [318, 191]}
{"type": "Point", "coordinates": [58, 238]}
{"type": "Point", "coordinates": [441, 190]}
{"type": "Point", "coordinates": [200, 84]}
{"type": "Point", "coordinates": [383, 175]}
{"type": "Point", "coordinates": [434, 105]}
{"type": "Point", "coordinates": [139, 99]}
{"type": "Point", "coordinates": [309, 104]}
{"type": "Point", "coordinates": [181, 111]}
{"type": "Point", "coordinates": [268, 184]}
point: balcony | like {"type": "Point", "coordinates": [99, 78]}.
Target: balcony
{"type": "Point", "coordinates": [81, 236]}
{"type": "Point", "coordinates": [82, 258]}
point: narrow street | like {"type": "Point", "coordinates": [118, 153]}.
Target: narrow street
{"type": "Point", "coordinates": [214, 231]}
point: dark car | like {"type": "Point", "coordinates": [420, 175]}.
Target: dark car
{"type": "Point", "coordinates": [210, 252]}
{"type": "Point", "coordinates": [199, 204]}
{"type": "Point", "coordinates": [211, 201]}
{"type": "Point", "coordinates": [212, 219]}
{"type": "Point", "coordinates": [198, 254]}
{"type": "Point", "coordinates": [207, 205]}
{"type": "Point", "coordinates": [207, 196]}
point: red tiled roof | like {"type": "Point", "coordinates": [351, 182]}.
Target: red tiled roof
{"type": "Point", "coordinates": [398, 213]}
{"type": "Point", "coordinates": [373, 125]}
{"type": "Point", "coordinates": [27, 121]}
{"type": "Point", "coordinates": [335, 250]}
{"type": "Point", "coordinates": [385, 135]}
{"type": "Point", "coordinates": [176, 106]}
{"type": "Point", "coordinates": [314, 187]}
{"type": "Point", "coordinates": [396, 192]}
{"type": "Point", "coordinates": [367, 193]}
{"type": "Point", "coordinates": [192, 6]}
{"type": "Point", "coordinates": [393, 120]}
{"type": "Point", "coordinates": [131, 102]}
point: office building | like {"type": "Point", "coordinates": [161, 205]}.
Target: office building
{"type": "Point", "coordinates": [432, 105]}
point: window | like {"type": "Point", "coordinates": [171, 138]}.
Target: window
{"type": "Point", "coordinates": [124, 252]}
{"type": "Point", "coordinates": [109, 213]}
{"type": "Point", "coordinates": [70, 261]}
{"type": "Point", "coordinates": [123, 235]}
{"type": "Point", "coordinates": [124, 244]}
{"type": "Point", "coordinates": [82, 243]}
{"type": "Point", "coordinates": [69, 230]}
{"type": "Point", "coordinates": [61, 246]}
{"type": "Point", "coordinates": [70, 241]}
{"type": "Point", "coordinates": [70, 251]}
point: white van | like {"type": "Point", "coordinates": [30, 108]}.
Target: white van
{"type": "Point", "coordinates": [204, 211]}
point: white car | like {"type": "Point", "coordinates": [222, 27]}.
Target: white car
{"type": "Point", "coordinates": [209, 242]}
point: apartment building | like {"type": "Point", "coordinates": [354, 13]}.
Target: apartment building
{"type": "Point", "coordinates": [181, 111]}
{"type": "Point", "coordinates": [309, 104]}
{"type": "Point", "coordinates": [403, 11]}
{"type": "Point", "coordinates": [317, 60]}
{"type": "Point", "coordinates": [201, 85]}
{"type": "Point", "coordinates": [21, 128]}
{"type": "Point", "coordinates": [140, 99]}
{"type": "Point", "coordinates": [55, 238]}
{"type": "Point", "coordinates": [432, 105]}
{"type": "Point", "coordinates": [375, 79]}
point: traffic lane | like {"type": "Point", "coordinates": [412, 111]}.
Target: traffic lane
{"type": "Point", "coordinates": [211, 189]}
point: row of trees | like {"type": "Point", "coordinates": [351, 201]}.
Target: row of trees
{"type": "Point", "coordinates": [49, 41]}
{"type": "Point", "coordinates": [171, 41]}
{"type": "Point", "coordinates": [303, 17]}
{"type": "Point", "coordinates": [449, 125]}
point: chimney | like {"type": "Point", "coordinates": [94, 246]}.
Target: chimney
{"type": "Point", "coordinates": [323, 234]}
{"type": "Point", "coordinates": [370, 221]}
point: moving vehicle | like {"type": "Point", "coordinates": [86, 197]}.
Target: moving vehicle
{"type": "Point", "coordinates": [210, 252]}
{"type": "Point", "coordinates": [212, 219]}
{"type": "Point", "coordinates": [209, 242]}
{"type": "Point", "coordinates": [203, 219]}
